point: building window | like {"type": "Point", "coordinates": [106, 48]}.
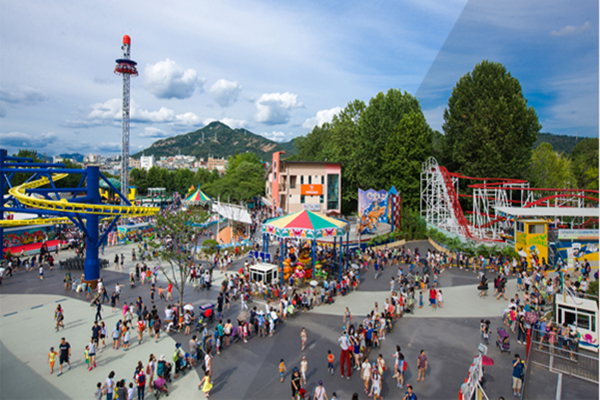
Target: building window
{"type": "Point", "coordinates": [302, 179]}
{"type": "Point", "coordinates": [310, 179]}
{"type": "Point", "coordinates": [322, 179]}
{"type": "Point", "coordinates": [322, 199]}
{"type": "Point", "coordinates": [333, 191]}
{"type": "Point", "coordinates": [302, 199]}
{"type": "Point", "coordinates": [292, 182]}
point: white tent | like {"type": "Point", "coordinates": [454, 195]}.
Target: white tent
{"type": "Point", "coordinates": [232, 212]}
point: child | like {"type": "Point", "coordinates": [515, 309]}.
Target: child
{"type": "Point", "coordinates": [161, 293]}
{"type": "Point", "coordinates": [86, 355]}
{"type": "Point", "coordinates": [440, 299]}
{"type": "Point", "coordinates": [303, 369]}
{"type": "Point", "coordinates": [421, 299]}
{"type": "Point", "coordinates": [282, 369]}
{"type": "Point", "coordinates": [330, 358]}
{"type": "Point", "coordinates": [334, 396]}
{"type": "Point", "coordinates": [126, 339]}
{"type": "Point", "coordinates": [131, 391]}
{"type": "Point", "coordinates": [98, 391]}
{"type": "Point", "coordinates": [52, 358]}
{"type": "Point", "coordinates": [303, 338]}
{"type": "Point", "coordinates": [41, 273]}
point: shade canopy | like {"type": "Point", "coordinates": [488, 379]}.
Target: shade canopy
{"type": "Point", "coordinates": [305, 224]}
{"type": "Point", "coordinates": [198, 197]}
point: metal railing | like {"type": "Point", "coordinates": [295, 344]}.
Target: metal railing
{"type": "Point", "coordinates": [559, 359]}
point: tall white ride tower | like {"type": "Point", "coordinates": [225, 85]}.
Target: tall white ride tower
{"type": "Point", "coordinates": [127, 68]}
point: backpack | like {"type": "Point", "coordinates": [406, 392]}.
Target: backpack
{"type": "Point", "coordinates": [141, 378]}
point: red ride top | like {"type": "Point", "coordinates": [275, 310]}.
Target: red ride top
{"type": "Point", "coordinates": [127, 40]}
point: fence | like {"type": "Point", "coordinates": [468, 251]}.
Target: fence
{"type": "Point", "coordinates": [559, 359]}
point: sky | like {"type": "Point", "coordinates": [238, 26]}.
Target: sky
{"type": "Point", "coordinates": [276, 68]}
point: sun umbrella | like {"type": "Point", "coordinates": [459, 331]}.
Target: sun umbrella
{"type": "Point", "coordinates": [188, 307]}
{"type": "Point", "coordinates": [314, 283]}
{"type": "Point", "coordinates": [487, 361]}
{"type": "Point", "coordinates": [355, 266]}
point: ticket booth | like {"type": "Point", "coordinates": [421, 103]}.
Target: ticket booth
{"type": "Point", "coordinates": [531, 239]}
{"type": "Point", "coordinates": [263, 272]}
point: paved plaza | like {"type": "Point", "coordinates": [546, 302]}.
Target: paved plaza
{"type": "Point", "coordinates": [450, 337]}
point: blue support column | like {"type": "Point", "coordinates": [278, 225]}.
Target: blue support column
{"type": "Point", "coordinates": [347, 248]}
{"type": "Point", "coordinates": [92, 263]}
{"type": "Point", "coordinates": [334, 247]}
{"type": "Point", "coordinates": [281, 242]}
{"type": "Point", "coordinates": [340, 263]}
{"type": "Point", "coordinates": [314, 256]}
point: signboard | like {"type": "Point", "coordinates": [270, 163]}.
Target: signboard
{"type": "Point", "coordinates": [468, 388]}
{"type": "Point", "coordinates": [312, 207]}
{"type": "Point", "coordinates": [311, 190]}
{"type": "Point", "coordinates": [372, 208]}
{"type": "Point", "coordinates": [578, 234]}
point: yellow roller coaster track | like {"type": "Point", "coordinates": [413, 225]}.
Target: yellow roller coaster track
{"type": "Point", "coordinates": [63, 206]}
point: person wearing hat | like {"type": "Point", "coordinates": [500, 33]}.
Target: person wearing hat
{"type": "Point", "coordinates": [320, 393]}
{"type": "Point", "coordinates": [410, 395]}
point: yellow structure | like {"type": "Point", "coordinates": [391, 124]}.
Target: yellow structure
{"type": "Point", "coordinates": [104, 193]}
{"type": "Point", "coordinates": [531, 239]}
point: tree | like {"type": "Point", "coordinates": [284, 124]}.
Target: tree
{"type": "Point", "coordinates": [377, 122]}
{"type": "Point", "coordinates": [584, 164]}
{"type": "Point", "coordinates": [177, 244]}
{"type": "Point", "coordinates": [409, 145]}
{"type": "Point", "coordinates": [488, 128]}
{"type": "Point", "coordinates": [548, 169]}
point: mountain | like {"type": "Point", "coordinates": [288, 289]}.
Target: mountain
{"type": "Point", "coordinates": [217, 140]}
{"type": "Point", "coordinates": [74, 156]}
{"type": "Point", "coordinates": [560, 143]}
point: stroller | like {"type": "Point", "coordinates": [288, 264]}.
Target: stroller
{"type": "Point", "coordinates": [207, 316]}
{"type": "Point", "coordinates": [160, 387]}
{"type": "Point", "coordinates": [503, 341]}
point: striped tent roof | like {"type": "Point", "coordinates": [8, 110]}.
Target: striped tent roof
{"type": "Point", "coordinates": [305, 224]}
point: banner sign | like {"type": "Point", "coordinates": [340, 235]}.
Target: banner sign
{"type": "Point", "coordinates": [311, 190]}
{"type": "Point", "coordinates": [312, 207]}
{"type": "Point", "coordinates": [578, 234]}
{"type": "Point", "coordinates": [134, 233]}
{"type": "Point", "coordinates": [28, 235]}
{"type": "Point", "coordinates": [373, 207]}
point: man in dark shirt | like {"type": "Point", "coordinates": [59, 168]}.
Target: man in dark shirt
{"type": "Point", "coordinates": [96, 332]}
{"type": "Point", "coordinates": [65, 354]}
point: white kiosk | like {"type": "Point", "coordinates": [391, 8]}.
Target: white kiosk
{"type": "Point", "coordinates": [263, 272]}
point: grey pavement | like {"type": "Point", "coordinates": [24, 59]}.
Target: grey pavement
{"type": "Point", "coordinates": [247, 371]}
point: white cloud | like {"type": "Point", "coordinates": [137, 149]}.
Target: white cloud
{"type": "Point", "coordinates": [110, 112]}
{"type": "Point", "coordinates": [274, 136]}
{"type": "Point", "coordinates": [571, 30]}
{"type": "Point", "coordinates": [322, 117]}
{"type": "Point", "coordinates": [234, 123]}
{"type": "Point", "coordinates": [225, 92]}
{"type": "Point", "coordinates": [22, 140]}
{"type": "Point", "coordinates": [274, 108]}
{"type": "Point", "coordinates": [23, 95]}
{"type": "Point", "coordinates": [109, 146]}
{"type": "Point", "coordinates": [152, 132]}
{"type": "Point", "coordinates": [167, 80]}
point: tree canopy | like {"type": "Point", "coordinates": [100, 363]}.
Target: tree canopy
{"type": "Point", "coordinates": [379, 145]}
{"type": "Point", "coordinates": [549, 169]}
{"type": "Point", "coordinates": [584, 164]}
{"type": "Point", "coordinates": [488, 128]}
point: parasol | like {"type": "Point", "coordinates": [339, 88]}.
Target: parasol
{"type": "Point", "coordinates": [487, 361]}
{"type": "Point", "coordinates": [188, 307]}
{"type": "Point", "coordinates": [313, 283]}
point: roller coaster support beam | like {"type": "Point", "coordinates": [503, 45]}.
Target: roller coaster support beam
{"type": "Point", "coordinates": [92, 263]}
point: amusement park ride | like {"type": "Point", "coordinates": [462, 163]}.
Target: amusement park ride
{"type": "Point", "coordinates": [39, 194]}
{"type": "Point", "coordinates": [497, 202]}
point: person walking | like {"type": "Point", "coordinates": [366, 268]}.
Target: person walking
{"type": "Point", "coordinates": [410, 395]}
{"type": "Point", "coordinates": [206, 385]}
{"type": "Point", "coordinates": [345, 354]}
{"type": "Point", "coordinates": [109, 385]}
{"type": "Point", "coordinates": [51, 359]}
{"type": "Point", "coordinates": [421, 365]}
{"type": "Point", "coordinates": [65, 355]}
{"type": "Point", "coordinates": [92, 353]}
{"type": "Point", "coordinates": [303, 338]}
{"type": "Point", "coordinates": [518, 375]}
{"type": "Point", "coordinates": [303, 369]}
{"type": "Point", "coordinates": [282, 369]}
{"type": "Point", "coordinates": [320, 393]}
{"type": "Point", "coordinates": [140, 379]}
{"type": "Point", "coordinates": [296, 383]}
{"type": "Point", "coordinates": [98, 310]}
{"type": "Point", "coordinates": [365, 373]}
{"type": "Point", "coordinates": [59, 316]}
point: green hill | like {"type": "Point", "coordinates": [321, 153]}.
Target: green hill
{"type": "Point", "coordinates": [217, 140]}
{"type": "Point", "coordinates": [560, 143]}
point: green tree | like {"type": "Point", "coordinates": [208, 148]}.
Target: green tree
{"type": "Point", "coordinates": [311, 147]}
{"type": "Point", "coordinates": [377, 123]}
{"type": "Point", "coordinates": [176, 254]}
{"type": "Point", "coordinates": [584, 164]}
{"type": "Point", "coordinates": [409, 145]}
{"type": "Point", "coordinates": [548, 169]}
{"type": "Point", "coordinates": [139, 180]}
{"type": "Point", "coordinates": [489, 129]}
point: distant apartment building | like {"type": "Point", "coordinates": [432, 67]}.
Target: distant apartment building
{"type": "Point", "coordinates": [296, 185]}
{"type": "Point", "coordinates": [216, 163]}
{"type": "Point", "coordinates": [133, 163]}
{"type": "Point", "coordinates": [146, 162]}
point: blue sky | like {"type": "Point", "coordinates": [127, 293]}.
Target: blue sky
{"type": "Point", "coordinates": [276, 68]}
